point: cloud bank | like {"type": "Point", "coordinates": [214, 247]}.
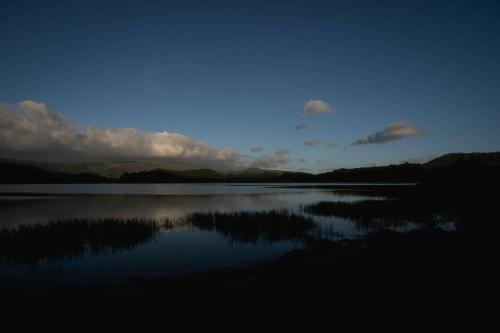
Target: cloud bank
{"type": "Point", "coordinates": [391, 132]}
{"type": "Point", "coordinates": [315, 107]}
{"type": "Point", "coordinates": [30, 130]}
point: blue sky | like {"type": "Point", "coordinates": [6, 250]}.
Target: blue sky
{"type": "Point", "coordinates": [237, 74]}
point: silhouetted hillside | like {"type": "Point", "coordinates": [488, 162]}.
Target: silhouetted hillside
{"type": "Point", "coordinates": [483, 159]}
{"type": "Point", "coordinates": [449, 168]}
{"type": "Point", "coordinates": [457, 167]}
{"type": "Point", "coordinates": [110, 169]}
{"type": "Point", "coordinates": [24, 174]}
{"type": "Point", "coordinates": [463, 168]}
{"type": "Point", "coordinates": [392, 173]}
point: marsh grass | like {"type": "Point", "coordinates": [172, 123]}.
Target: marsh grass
{"type": "Point", "coordinates": [73, 237]}
{"type": "Point", "coordinates": [252, 227]}
{"type": "Point", "coordinates": [391, 211]}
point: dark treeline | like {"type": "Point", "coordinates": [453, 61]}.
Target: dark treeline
{"type": "Point", "coordinates": [211, 176]}
{"type": "Point", "coordinates": [172, 176]}
{"type": "Point", "coordinates": [448, 168]}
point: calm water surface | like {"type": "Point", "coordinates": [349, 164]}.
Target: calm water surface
{"type": "Point", "coordinates": [179, 250]}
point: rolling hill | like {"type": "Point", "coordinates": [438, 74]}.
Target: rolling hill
{"type": "Point", "coordinates": [456, 167]}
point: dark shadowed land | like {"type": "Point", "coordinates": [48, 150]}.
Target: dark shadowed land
{"type": "Point", "coordinates": [451, 271]}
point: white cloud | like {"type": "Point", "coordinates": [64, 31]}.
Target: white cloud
{"type": "Point", "coordinates": [391, 132]}
{"type": "Point", "coordinates": [281, 151]}
{"type": "Point", "coordinates": [310, 143]}
{"type": "Point", "coordinates": [314, 107]}
{"type": "Point", "coordinates": [29, 130]}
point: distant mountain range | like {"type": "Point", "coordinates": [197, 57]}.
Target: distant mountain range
{"type": "Point", "coordinates": [462, 167]}
{"type": "Point", "coordinates": [104, 169]}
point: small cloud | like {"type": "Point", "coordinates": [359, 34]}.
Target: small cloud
{"type": "Point", "coordinates": [391, 132]}
{"type": "Point", "coordinates": [301, 126]}
{"type": "Point", "coordinates": [314, 107]}
{"type": "Point", "coordinates": [331, 145]}
{"type": "Point", "coordinates": [301, 160]}
{"type": "Point", "coordinates": [310, 143]}
{"type": "Point", "coordinates": [281, 151]}
{"type": "Point", "coordinates": [256, 149]}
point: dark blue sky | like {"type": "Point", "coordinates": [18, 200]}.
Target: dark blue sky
{"type": "Point", "coordinates": [237, 74]}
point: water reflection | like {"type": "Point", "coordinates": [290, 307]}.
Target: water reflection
{"type": "Point", "coordinates": [15, 210]}
{"type": "Point", "coordinates": [164, 189]}
{"type": "Point", "coordinates": [254, 227]}
{"type": "Point", "coordinates": [71, 239]}
{"type": "Point", "coordinates": [190, 232]}
{"type": "Point", "coordinates": [391, 213]}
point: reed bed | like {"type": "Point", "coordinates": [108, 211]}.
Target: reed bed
{"type": "Point", "coordinates": [72, 237]}
{"type": "Point", "coordinates": [252, 227]}
{"type": "Point", "coordinates": [391, 210]}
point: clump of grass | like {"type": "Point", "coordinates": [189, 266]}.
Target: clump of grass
{"type": "Point", "coordinates": [72, 237]}
{"type": "Point", "coordinates": [252, 227]}
{"type": "Point", "coordinates": [393, 210]}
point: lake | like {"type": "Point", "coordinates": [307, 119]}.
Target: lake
{"type": "Point", "coordinates": [181, 248]}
